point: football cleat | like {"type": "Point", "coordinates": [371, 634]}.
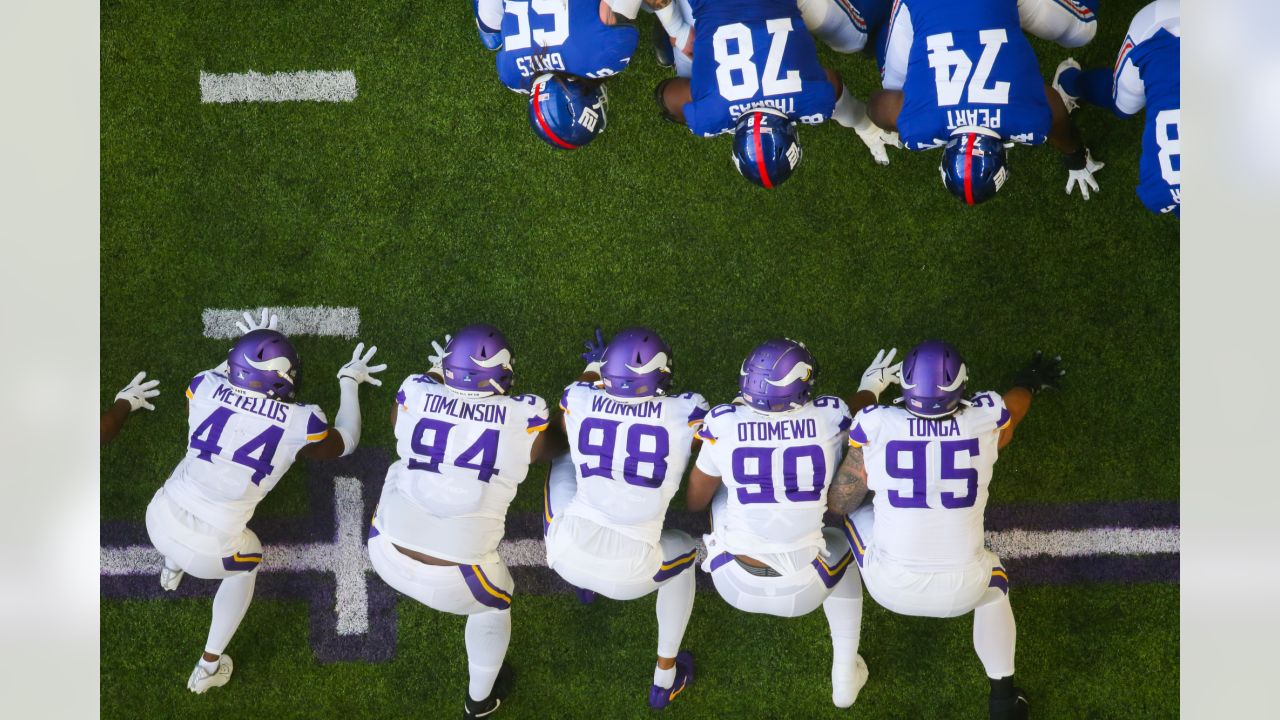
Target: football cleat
{"type": "Point", "coordinates": [472, 709]}
{"type": "Point", "coordinates": [660, 697]}
{"type": "Point", "coordinates": [202, 680]}
{"type": "Point", "coordinates": [491, 39]}
{"type": "Point", "coordinates": [846, 682]}
{"type": "Point", "coordinates": [585, 596]}
{"type": "Point", "coordinates": [1015, 707]}
{"type": "Point", "coordinates": [766, 147]}
{"type": "Point", "coordinates": [662, 49]}
{"type": "Point", "coordinates": [169, 579]}
{"type": "Point", "coordinates": [1071, 101]}
{"type": "Point", "coordinates": [973, 164]}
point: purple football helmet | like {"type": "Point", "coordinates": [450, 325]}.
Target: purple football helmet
{"type": "Point", "coordinates": [777, 375]}
{"type": "Point", "coordinates": [477, 361]}
{"type": "Point", "coordinates": [264, 362]}
{"type": "Point", "coordinates": [933, 379]}
{"type": "Point", "coordinates": [637, 363]}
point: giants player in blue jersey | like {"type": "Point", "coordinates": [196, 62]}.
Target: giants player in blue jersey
{"type": "Point", "coordinates": [919, 542]}
{"type": "Point", "coordinates": [559, 52]}
{"type": "Point", "coordinates": [246, 430]}
{"type": "Point", "coordinates": [963, 77]}
{"type": "Point", "coordinates": [764, 468]}
{"type": "Point", "coordinates": [606, 500]}
{"type": "Point", "coordinates": [1147, 75]}
{"type": "Point", "coordinates": [755, 73]}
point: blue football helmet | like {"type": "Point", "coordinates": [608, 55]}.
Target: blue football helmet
{"type": "Point", "coordinates": [973, 164]}
{"type": "Point", "coordinates": [567, 112]}
{"type": "Point", "coordinates": [766, 147]}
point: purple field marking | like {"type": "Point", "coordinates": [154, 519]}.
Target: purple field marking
{"type": "Point", "coordinates": [320, 589]}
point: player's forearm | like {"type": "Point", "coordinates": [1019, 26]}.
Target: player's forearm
{"type": "Point", "coordinates": [849, 487]}
{"type": "Point", "coordinates": [1063, 134]}
{"type": "Point", "coordinates": [862, 399]}
{"type": "Point", "coordinates": [113, 420]}
{"type": "Point", "coordinates": [883, 107]}
{"type": "Point", "coordinates": [1017, 401]}
{"type": "Point", "coordinates": [347, 422]}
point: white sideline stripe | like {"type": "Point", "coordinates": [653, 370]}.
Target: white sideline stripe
{"type": "Point", "coordinates": [317, 85]}
{"type": "Point", "coordinates": [1075, 543]}
{"type": "Point", "coordinates": [318, 320]}
{"type": "Point", "coordinates": [144, 559]}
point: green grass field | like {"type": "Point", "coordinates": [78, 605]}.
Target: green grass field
{"type": "Point", "coordinates": [427, 203]}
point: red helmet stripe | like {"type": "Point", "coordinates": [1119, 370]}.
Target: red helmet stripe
{"type": "Point", "coordinates": [755, 134]}
{"type": "Point", "coordinates": [542, 122]}
{"type": "Point", "coordinates": [968, 169]}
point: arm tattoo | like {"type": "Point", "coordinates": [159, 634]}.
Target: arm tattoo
{"type": "Point", "coordinates": [850, 484]}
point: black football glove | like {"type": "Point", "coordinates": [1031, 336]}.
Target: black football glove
{"type": "Point", "coordinates": [1040, 373]}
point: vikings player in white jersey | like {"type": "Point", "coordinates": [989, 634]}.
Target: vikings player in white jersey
{"type": "Point", "coordinates": [465, 445]}
{"type": "Point", "coordinates": [764, 467]}
{"type": "Point", "coordinates": [246, 431]}
{"type": "Point", "coordinates": [606, 501]}
{"type": "Point", "coordinates": [919, 543]}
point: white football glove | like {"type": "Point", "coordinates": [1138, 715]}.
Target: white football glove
{"type": "Point", "coordinates": [359, 369]}
{"type": "Point", "coordinates": [137, 392]}
{"type": "Point", "coordinates": [249, 325]}
{"type": "Point", "coordinates": [437, 360]}
{"type": "Point", "coordinates": [1084, 176]}
{"type": "Point", "coordinates": [880, 374]}
{"type": "Point", "coordinates": [875, 140]}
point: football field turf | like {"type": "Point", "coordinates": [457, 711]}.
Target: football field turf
{"type": "Point", "coordinates": [427, 203]}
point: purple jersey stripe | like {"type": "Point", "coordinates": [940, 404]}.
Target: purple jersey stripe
{"type": "Point", "coordinates": [831, 574]}
{"type": "Point", "coordinates": [720, 560]}
{"type": "Point", "coordinates": [858, 435]}
{"type": "Point", "coordinates": [242, 561]}
{"type": "Point", "coordinates": [315, 425]}
{"type": "Point", "coordinates": [697, 415]}
{"type": "Point", "coordinates": [476, 582]}
{"type": "Point", "coordinates": [195, 383]}
{"type": "Point", "coordinates": [999, 579]}
{"type": "Point", "coordinates": [672, 568]}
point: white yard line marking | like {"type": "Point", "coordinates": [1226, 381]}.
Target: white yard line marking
{"type": "Point", "coordinates": [315, 85]}
{"type": "Point", "coordinates": [1075, 543]}
{"type": "Point", "coordinates": [348, 559]}
{"type": "Point", "coordinates": [319, 320]}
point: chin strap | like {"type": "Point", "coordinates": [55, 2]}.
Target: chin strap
{"type": "Point", "coordinates": [347, 421]}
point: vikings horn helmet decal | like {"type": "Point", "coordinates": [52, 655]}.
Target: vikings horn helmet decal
{"type": "Point", "coordinates": [477, 362]}
{"type": "Point", "coordinates": [933, 379]}
{"type": "Point", "coordinates": [636, 364]}
{"type": "Point", "coordinates": [777, 376]}
{"type": "Point", "coordinates": [264, 362]}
